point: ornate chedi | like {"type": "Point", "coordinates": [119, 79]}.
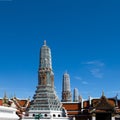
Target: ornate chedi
{"type": "Point", "coordinates": [66, 91]}
{"type": "Point", "coordinates": [46, 104]}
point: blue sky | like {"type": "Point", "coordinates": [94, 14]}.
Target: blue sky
{"type": "Point", "coordinates": [84, 37]}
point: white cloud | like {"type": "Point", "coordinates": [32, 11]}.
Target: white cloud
{"type": "Point", "coordinates": [84, 82]}
{"type": "Point", "coordinates": [96, 73]}
{"type": "Point", "coordinates": [95, 63]}
{"type": "Point", "coordinates": [95, 68]}
{"type": "Point", "coordinates": [78, 78]}
{"type": "Point", "coordinates": [81, 80]}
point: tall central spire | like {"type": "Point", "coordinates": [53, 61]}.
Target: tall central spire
{"type": "Point", "coordinates": [45, 101]}
{"type": "Point", "coordinates": [45, 97]}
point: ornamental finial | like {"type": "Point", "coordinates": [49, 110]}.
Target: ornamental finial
{"type": "Point", "coordinates": [102, 93]}
{"type": "Point", "coordinates": [44, 42]}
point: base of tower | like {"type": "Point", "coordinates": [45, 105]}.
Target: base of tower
{"type": "Point", "coordinates": [46, 115]}
{"type": "Point", "coordinates": [61, 118]}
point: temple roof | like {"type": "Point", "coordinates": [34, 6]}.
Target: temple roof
{"type": "Point", "coordinates": [102, 105]}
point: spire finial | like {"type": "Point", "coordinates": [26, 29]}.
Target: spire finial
{"type": "Point", "coordinates": [102, 93]}
{"type": "Point", "coordinates": [5, 95]}
{"type": "Point", "coordinates": [45, 42]}
{"type": "Point", "coordinates": [117, 95]}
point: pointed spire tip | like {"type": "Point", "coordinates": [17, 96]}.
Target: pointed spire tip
{"type": "Point", "coordinates": [45, 42]}
{"type": "Point", "coordinates": [103, 93]}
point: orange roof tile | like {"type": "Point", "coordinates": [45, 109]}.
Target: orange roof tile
{"type": "Point", "coordinates": [72, 106]}
{"type": "Point", "coordinates": [0, 101]}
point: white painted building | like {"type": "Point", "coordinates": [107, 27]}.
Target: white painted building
{"type": "Point", "coordinates": [8, 113]}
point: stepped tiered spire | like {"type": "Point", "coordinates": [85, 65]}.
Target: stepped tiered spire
{"type": "Point", "coordinates": [45, 97]}
{"type": "Point", "coordinates": [45, 100]}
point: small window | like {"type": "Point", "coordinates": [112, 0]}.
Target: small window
{"type": "Point", "coordinates": [58, 115]}
{"type": "Point", "coordinates": [54, 115]}
{"type": "Point", "coordinates": [45, 115]}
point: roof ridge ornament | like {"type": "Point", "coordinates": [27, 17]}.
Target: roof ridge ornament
{"type": "Point", "coordinates": [103, 93]}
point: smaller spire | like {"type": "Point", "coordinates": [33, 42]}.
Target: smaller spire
{"type": "Point", "coordinates": [117, 95]}
{"type": "Point", "coordinates": [5, 95]}
{"type": "Point", "coordinates": [44, 42]}
{"type": "Point", "coordinates": [116, 100]}
{"type": "Point", "coordinates": [14, 95]}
